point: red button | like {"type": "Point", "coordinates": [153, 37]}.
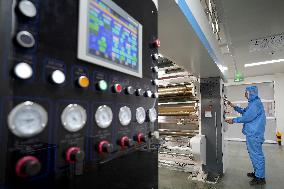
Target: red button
{"type": "Point", "coordinates": [117, 88]}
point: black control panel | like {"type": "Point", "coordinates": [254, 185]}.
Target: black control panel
{"type": "Point", "coordinates": [72, 121]}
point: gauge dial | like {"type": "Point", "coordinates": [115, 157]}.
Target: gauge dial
{"type": "Point", "coordinates": [152, 115]}
{"type": "Point", "coordinates": [27, 119]}
{"type": "Point", "coordinates": [104, 116]}
{"type": "Point", "coordinates": [124, 115]}
{"type": "Point", "coordinates": [140, 115]}
{"type": "Point", "coordinates": [73, 117]}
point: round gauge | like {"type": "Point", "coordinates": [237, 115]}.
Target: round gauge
{"type": "Point", "coordinates": [124, 115]}
{"type": "Point", "coordinates": [27, 119]}
{"type": "Point", "coordinates": [152, 115]}
{"type": "Point", "coordinates": [104, 116]}
{"type": "Point", "coordinates": [73, 117]}
{"type": "Point", "coordinates": [140, 115]}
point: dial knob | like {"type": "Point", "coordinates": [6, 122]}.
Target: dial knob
{"type": "Point", "coordinates": [28, 166]}
{"type": "Point", "coordinates": [105, 147]}
{"type": "Point", "coordinates": [155, 69]}
{"type": "Point", "coordinates": [140, 137]}
{"type": "Point", "coordinates": [130, 90]}
{"type": "Point", "coordinates": [139, 92]}
{"type": "Point", "coordinates": [148, 94]}
{"type": "Point", "coordinates": [125, 142]}
{"type": "Point", "coordinates": [25, 39]}
{"type": "Point", "coordinates": [74, 154]}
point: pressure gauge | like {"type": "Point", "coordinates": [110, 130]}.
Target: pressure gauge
{"type": "Point", "coordinates": [152, 115]}
{"type": "Point", "coordinates": [27, 119]}
{"type": "Point", "coordinates": [73, 117]}
{"type": "Point", "coordinates": [103, 116]}
{"type": "Point", "coordinates": [124, 115]}
{"type": "Point", "coordinates": [140, 115]}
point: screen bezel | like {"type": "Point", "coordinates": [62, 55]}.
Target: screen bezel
{"type": "Point", "coordinates": [83, 40]}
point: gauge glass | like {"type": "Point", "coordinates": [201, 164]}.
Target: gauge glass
{"type": "Point", "coordinates": [73, 117]}
{"type": "Point", "coordinates": [104, 116]}
{"type": "Point", "coordinates": [152, 115]}
{"type": "Point", "coordinates": [140, 115]}
{"type": "Point", "coordinates": [124, 115]}
{"type": "Point", "coordinates": [27, 119]}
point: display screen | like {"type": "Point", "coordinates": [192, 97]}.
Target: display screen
{"type": "Point", "coordinates": [112, 38]}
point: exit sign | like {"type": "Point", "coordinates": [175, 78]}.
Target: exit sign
{"type": "Point", "coordinates": [239, 77]}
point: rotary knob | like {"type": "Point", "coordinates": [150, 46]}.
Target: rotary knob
{"type": "Point", "coordinates": [105, 147]}
{"type": "Point", "coordinates": [130, 90]}
{"type": "Point", "coordinates": [140, 137]}
{"type": "Point", "coordinates": [125, 142]}
{"type": "Point", "coordinates": [139, 92]}
{"type": "Point", "coordinates": [28, 166]}
{"type": "Point", "coordinates": [74, 154]}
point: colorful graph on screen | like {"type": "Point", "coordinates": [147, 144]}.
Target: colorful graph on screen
{"type": "Point", "coordinates": [112, 37]}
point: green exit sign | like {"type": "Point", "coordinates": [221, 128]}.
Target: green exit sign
{"type": "Point", "coordinates": [239, 77]}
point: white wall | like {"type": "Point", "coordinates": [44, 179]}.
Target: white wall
{"type": "Point", "coordinates": [278, 92]}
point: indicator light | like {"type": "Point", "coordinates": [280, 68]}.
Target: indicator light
{"type": "Point", "coordinates": [84, 81]}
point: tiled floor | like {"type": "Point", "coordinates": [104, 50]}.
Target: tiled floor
{"type": "Point", "coordinates": [235, 176]}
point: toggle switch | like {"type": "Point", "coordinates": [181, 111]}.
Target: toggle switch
{"type": "Point", "coordinates": [148, 94]}
{"type": "Point", "coordinates": [155, 56]}
{"type": "Point", "coordinates": [140, 92]}
{"type": "Point", "coordinates": [155, 95]}
{"type": "Point", "coordinates": [155, 82]}
{"type": "Point", "coordinates": [28, 166]}
{"type": "Point", "coordinates": [155, 69]}
{"type": "Point", "coordinates": [74, 154]}
{"type": "Point", "coordinates": [105, 147]}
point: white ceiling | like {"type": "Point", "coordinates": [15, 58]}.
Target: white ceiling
{"type": "Point", "coordinates": [245, 20]}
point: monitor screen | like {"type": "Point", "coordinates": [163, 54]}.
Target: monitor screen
{"type": "Point", "coordinates": [109, 37]}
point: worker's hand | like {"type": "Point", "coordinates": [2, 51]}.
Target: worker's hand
{"type": "Point", "coordinates": [230, 121]}
{"type": "Point", "coordinates": [230, 104]}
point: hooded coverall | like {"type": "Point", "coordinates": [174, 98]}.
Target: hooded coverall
{"type": "Point", "coordinates": [254, 120]}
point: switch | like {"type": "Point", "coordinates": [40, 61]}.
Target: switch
{"type": "Point", "coordinates": [140, 137]}
{"type": "Point", "coordinates": [28, 166]}
{"type": "Point", "coordinates": [156, 43]}
{"type": "Point", "coordinates": [83, 81]}
{"type": "Point", "coordinates": [23, 70]}
{"type": "Point", "coordinates": [25, 39]}
{"type": "Point", "coordinates": [27, 8]}
{"type": "Point", "coordinates": [74, 154]}
{"type": "Point", "coordinates": [155, 95]}
{"type": "Point", "coordinates": [155, 56]}
{"type": "Point", "coordinates": [102, 85]}
{"type": "Point", "coordinates": [58, 77]}
{"type": "Point", "coordinates": [140, 92]}
{"type": "Point", "coordinates": [125, 142]}
{"type": "Point", "coordinates": [105, 147]}
{"type": "Point", "coordinates": [117, 88]}
{"type": "Point", "coordinates": [130, 90]}
{"type": "Point", "coordinates": [155, 82]}
{"type": "Point", "coordinates": [155, 69]}
{"type": "Point", "coordinates": [148, 94]}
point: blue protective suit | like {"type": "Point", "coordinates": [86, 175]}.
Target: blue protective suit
{"type": "Point", "coordinates": [254, 120]}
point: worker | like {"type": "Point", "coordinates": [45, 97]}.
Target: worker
{"type": "Point", "coordinates": [254, 120]}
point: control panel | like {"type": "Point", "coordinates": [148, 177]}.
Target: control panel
{"type": "Point", "coordinates": [79, 92]}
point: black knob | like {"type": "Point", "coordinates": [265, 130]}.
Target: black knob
{"type": "Point", "coordinates": [32, 168]}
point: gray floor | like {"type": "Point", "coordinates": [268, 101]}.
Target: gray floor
{"type": "Point", "coordinates": [235, 176]}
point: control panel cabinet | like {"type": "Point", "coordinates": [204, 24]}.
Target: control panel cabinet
{"type": "Point", "coordinates": [77, 99]}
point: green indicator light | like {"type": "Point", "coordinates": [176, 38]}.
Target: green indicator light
{"type": "Point", "coordinates": [102, 85]}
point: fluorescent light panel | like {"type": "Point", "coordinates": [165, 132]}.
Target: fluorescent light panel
{"type": "Point", "coordinates": [263, 63]}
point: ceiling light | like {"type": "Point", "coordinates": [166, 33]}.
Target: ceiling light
{"type": "Point", "coordinates": [222, 68]}
{"type": "Point", "coordinates": [263, 63]}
